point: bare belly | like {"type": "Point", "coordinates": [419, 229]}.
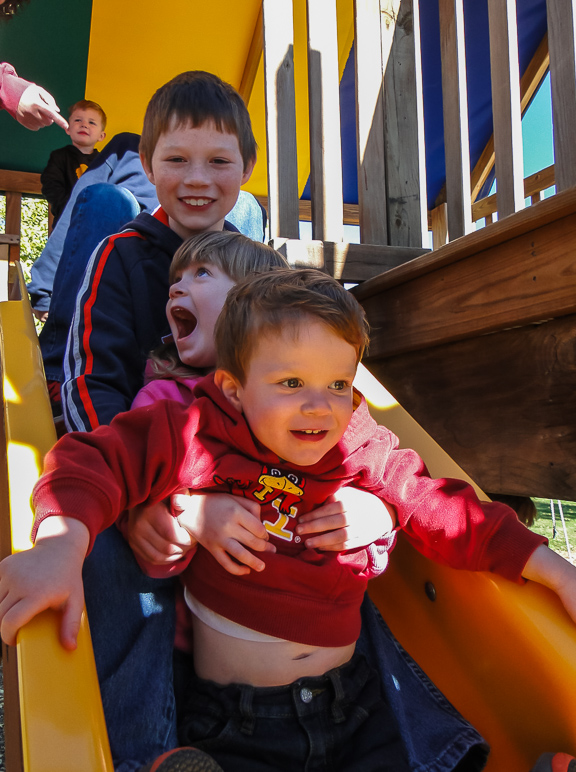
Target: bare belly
{"type": "Point", "coordinates": [226, 660]}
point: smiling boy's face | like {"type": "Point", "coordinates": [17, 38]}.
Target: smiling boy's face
{"type": "Point", "coordinates": [196, 300]}
{"type": "Point", "coordinates": [197, 172]}
{"type": "Point", "coordinates": [298, 396]}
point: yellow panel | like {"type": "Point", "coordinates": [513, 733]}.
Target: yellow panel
{"type": "Point", "coordinates": [63, 728]}
{"type": "Point", "coordinates": [136, 49]}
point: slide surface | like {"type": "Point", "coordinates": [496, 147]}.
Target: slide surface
{"type": "Point", "coordinates": [505, 655]}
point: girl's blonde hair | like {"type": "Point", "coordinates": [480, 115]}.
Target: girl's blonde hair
{"type": "Point", "coordinates": [237, 256]}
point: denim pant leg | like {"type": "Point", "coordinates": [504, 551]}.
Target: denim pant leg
{"type": "Point", "coordinates": [437, 738]}
{"type": "Point", "coordinates": [132, 624]}
{"type": "Point", "coordinates": [100, 210]}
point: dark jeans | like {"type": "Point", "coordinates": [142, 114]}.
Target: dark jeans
{"type": "Point", "coordinates": [338, 721]}
{"type": "Point", "coordinates": [132, 624]}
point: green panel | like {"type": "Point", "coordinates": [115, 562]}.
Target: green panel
{"type": "Point", "coordinates": [47, 42]}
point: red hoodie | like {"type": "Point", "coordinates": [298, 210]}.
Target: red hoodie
{"type": "Point", "coordinates": [303, 595]}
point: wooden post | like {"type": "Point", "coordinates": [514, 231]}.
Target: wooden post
{"type": "Point", "coordinates": [324, 105]}
{"type": "Point", "coordinates": [372, 193]}
{"type": "Point", "coordinates": [13, 221]}
{"type": "Point", "coordinates": [280, 118]}
{"type": "Point", "coordinates": [561, 41]}
{"type": "Point", "coordinates": [455, 107]}
{"type": "Point", "coordinates": [404, 124]}
{"type": "Point", "coordinates": [505, 71]}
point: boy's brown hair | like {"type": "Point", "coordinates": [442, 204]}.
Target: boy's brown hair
{"type": "Point", "coordinates": [236, 255]}
{"type": "Point", "coordinates": [196, 97]}
{"type": "Point", "coordinates": [87, 104]}
{"type": "Point", "coordinates": [281, 300]}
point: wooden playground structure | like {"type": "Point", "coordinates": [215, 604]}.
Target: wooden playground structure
{"type": "Point", "coordinates": [475, 337]}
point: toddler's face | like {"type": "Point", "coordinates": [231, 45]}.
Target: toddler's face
{"type": "Point", "coordinates": [196, 300]}
{"type": "Point", "coordinates": [85, 128]}
{"type": "Point", "coordinates": [298, 397]}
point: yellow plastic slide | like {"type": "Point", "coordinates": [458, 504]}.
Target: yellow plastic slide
{"type": "Point", "coordinates": [505, 655]}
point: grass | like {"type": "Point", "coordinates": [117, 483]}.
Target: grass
{"type": "Point", "coordinates": [544, 525]}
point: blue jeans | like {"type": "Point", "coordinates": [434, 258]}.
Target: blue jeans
{"type": "Point", "coordinates": [132, 623]}
{"type": "Point", "coordinates": [338, 721]}
{"type": "Point", "coordinates": [100, 210]}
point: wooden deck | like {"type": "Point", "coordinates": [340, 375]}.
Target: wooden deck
{"type": "Point", "coordinates": [476, 340]}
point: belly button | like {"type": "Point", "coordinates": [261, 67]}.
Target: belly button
{"type": "Point", "coordinates": [302, 656]}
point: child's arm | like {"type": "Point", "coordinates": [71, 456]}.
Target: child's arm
{"type": "Point", "coordinates": [350, 519]}
{"type": "Point", "coordinates": [47, 576]}
{"type": "Point", "coordinates": [553, 571]}
{"type": "Point", "coordinates": [103, 370]}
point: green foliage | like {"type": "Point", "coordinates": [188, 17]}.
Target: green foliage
{"type": "Point", "coordinates": [553, 529]}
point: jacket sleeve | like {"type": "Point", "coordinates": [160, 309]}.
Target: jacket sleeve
{"type": "Point", "coordinates": [94, 476]}
{"type": "Point", "coordinates": [444, 519]}
{"type": "Point", "coordinates": [11, 88]}
{"type": "Point", "coordinates": [54, 183]}
{"type": "Point", "coordinates": [103, 365]}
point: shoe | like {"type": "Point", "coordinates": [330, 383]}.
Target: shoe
{"type": "Point", "coordinates": [183, 760]}
{"type": "Point", "coordinates": [555, 762]}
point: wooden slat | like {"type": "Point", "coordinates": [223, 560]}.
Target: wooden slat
{"type": "Point", "coordinates": [13, 220]}
{"type": "Point", "coordinates": [505, 71]}
{"type": "Point", "coordinates": [439, 223]}
{"type": "Point", "coordinates": [534, 185]}
{"type": "Point", "coordinates": [531, 219]}
{"type": "Point", "coordinates": [501, 405]}
{"type": "Point", "coordinates": [346, 262]}
{"type": "Point", "coordinates": [561, 20]}
{"type": "Point", "coordinates": [520, 280]}
{"type": "Point", "coordinates": [20, 182]}
{"type": "Point", "coordinates": [252, 60]}
{"type": "Point", "coordinates": [529, 85]}
{"type": "Point", "coordinates": [324, 110]}
{"type": "Point", "coordinates": [455, 109]}
{"type": "Point", "coordinates": [280, 118]}
{"type": "Point", "coordinates": [404, 124]}
{"type": "Point", "coordinates": [372, 194]}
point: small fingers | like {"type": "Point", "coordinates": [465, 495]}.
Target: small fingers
{"type": "Point", "coordinates": [322, 524]}
{"type": "Point", "coordinates": [332, 541]}
{"type": "Point", "coordinates": [71, 618]}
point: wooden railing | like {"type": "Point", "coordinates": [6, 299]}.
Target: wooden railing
{"type": "Point", "coordinates": [391, 210]}
{"type": "Point", "coordinates": [15, 185]}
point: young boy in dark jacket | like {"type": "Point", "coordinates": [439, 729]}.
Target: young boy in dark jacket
{"type": "Point", "coordinates": [197, 148]}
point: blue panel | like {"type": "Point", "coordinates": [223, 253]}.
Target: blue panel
{"type": "Point", "coordinates": [531, 29]}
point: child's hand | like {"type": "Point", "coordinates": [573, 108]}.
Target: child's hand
{"type": "Point", "coordinates": [553, 571]}
{"type": "Point", "coordinates": [350, 519]}
{"type": "Point", "coordinates": [47, 576]}
{"type": "Point", "coordinates": [155, 535]}
{"type": "Point", "coordinates": [228, 527]}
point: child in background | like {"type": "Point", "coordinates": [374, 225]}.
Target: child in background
{"type": "Point", "coordinates": [277, 682]}
{"type": "Point", "coordinates": [86, 124]}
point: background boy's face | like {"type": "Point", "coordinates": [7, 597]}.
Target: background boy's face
{"type": "Point", "coordinates": [197, 172]}
{"type": "Point", "coordinates": [193, 308]}
{"type": "Point", "coordinates": [85, 128]}
{"type": "Point", "coordinates": [298, 394]}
